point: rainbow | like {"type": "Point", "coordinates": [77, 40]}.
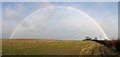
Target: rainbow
{"type": "Point", "coordinates": [99, 27]}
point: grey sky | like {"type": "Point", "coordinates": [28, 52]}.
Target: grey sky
{"type": "Point", "coordinates": [105, 13]}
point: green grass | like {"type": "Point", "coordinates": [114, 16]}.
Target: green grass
{"type": "Point", "coordinates": [52, 47]}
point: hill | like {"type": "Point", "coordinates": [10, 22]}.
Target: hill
{"type": "Point", "coordinates": [54, 47]}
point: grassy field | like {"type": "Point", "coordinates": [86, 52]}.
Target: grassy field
{"type": "Point", "coordinates": [53, 47]}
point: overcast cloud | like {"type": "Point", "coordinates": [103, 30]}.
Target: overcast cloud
{"type": "Point", "coordinates": [104, 13]}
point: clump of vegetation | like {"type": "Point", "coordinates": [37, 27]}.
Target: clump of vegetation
{"type": "Point", "coordinates": [114, 44]}
{"type": "Point", "coordinates": [89, 38]}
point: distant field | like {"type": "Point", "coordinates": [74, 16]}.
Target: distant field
{"type": "Point", "coordinates": [53, 47]}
